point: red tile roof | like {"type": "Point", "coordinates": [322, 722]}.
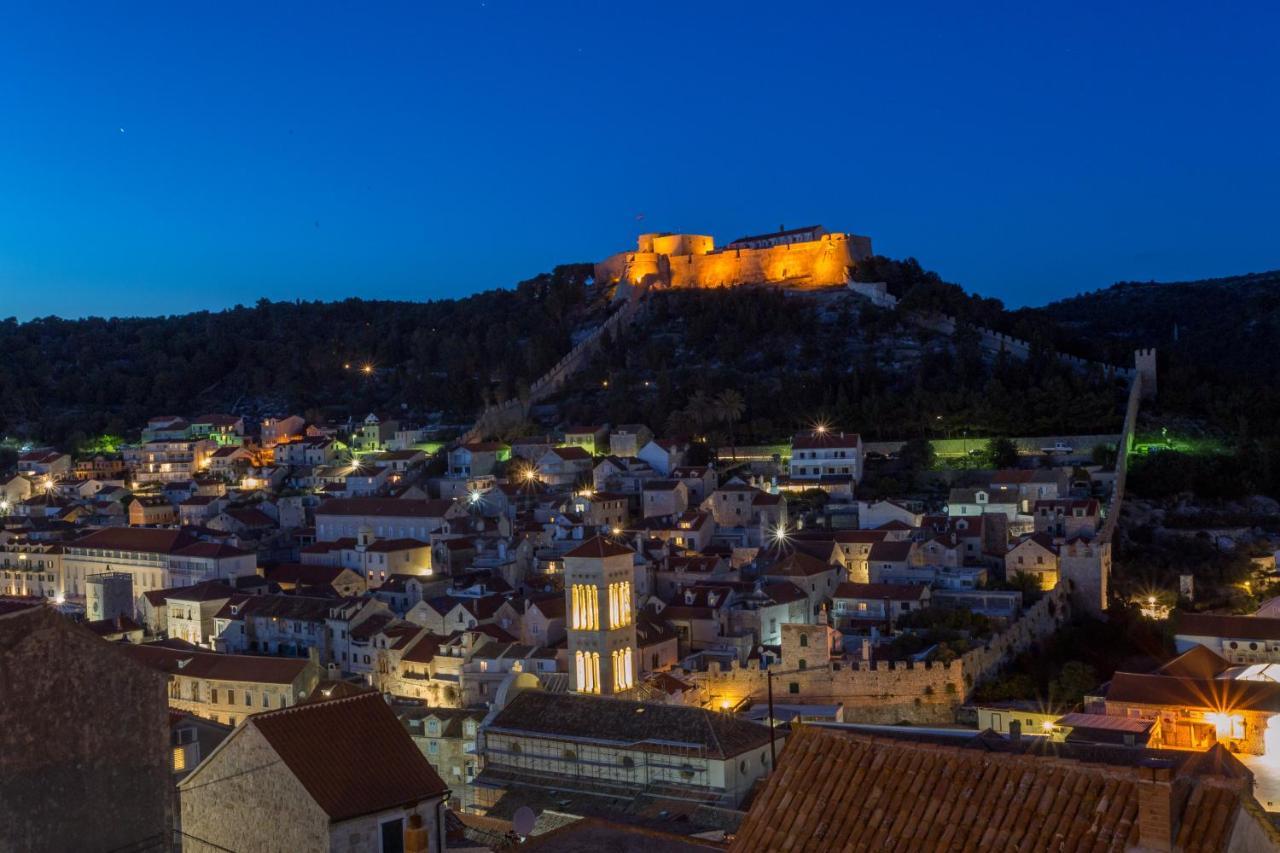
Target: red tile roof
{"type": "Point", "coordinates": [352, 755]}
{"type": "Point", "coordinates": [843, 537]}
{"type": "Point", "coordinates": [1196, 662]}
{"type": "Point", "coordinates": [304, 573]}
{"type": "Point", "coordinates": [205, 591]}
{"type": "Point", "coordinates": [1232, 627]}
{"type": "Point", "coordinates": [1214, 694]}
{"type": "Point", "coordinates": [879, 591]}
{"type": "Point", "coordinates": [890, 552]}
{"type": "Point", "coordinates": [571, 453]}
{"type": "Point", "coordinates": [783, 593]}
{"type": "Point", "coordinates": [218, 667]}
{"type": "Point", "coordinates": [386, 507]}
{"type": "Point", "coordinates": [599, 547]}
{"type": "Point", "coordinates": [834, 790]}
{"type": "Point", "coordinates": [796, 564]}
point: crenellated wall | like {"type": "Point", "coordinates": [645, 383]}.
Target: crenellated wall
{"type": "Point", "coordinates": [511, 413]}
{"type": "Point", "coordinates": [889, 692]}
{"type": "Point", "coordinates": [691, 260]}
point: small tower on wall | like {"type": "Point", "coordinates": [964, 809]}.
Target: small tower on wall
{"type": "Point", "coordinates": [1144, 362]}
{"type": "Point", "coordinates": [598, 579]}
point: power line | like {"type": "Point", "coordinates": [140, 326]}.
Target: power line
{"type": "Point", "coordinates": [203, 841]}
{"type": "Point", "coordinates": [232, 776]}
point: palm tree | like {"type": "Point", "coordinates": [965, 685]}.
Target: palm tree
{"type": "Point", "coordinates": [698, 407]}
{"type": "Point", "coordinates": [730, 406]}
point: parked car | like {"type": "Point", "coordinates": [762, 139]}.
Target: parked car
{"type": "Point", "coordinates": [1058, 447]}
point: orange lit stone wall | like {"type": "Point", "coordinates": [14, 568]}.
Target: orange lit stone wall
{"type": "Point", "coordinates": [690, 260]}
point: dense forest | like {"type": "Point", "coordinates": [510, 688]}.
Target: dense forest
{"type": "Point", "coordinates": [63, 380]}
{"type": "Point", "coordinates": [784, 360]}
{"type": "Point", "coordinates": [796, 360]}
{"type": "Point", "coordinates": [1216, 342]}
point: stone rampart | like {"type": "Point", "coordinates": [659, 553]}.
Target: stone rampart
{"type": "Point", "coordinates": [889, 691]}
{"type": "Point", "coordinates": [687, 260]}
{"type": "Point", "coordinates": [511, 413]}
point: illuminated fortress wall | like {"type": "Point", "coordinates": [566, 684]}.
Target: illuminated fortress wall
{"type": "Point", "coordinates": [691, 260]}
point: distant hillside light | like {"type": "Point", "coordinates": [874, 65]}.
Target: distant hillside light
{"type": "Point", "coordinates": [368, 368]}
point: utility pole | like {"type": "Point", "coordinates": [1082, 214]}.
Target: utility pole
{"type": "Point", "coordinates": [773, 755]}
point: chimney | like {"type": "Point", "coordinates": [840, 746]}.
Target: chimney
{"type": "Point", "coordinates": [1156, 824]}
{"type": "Point", "coordinates": [416, 839]}
{"type": "Point", "coordinates": [1015, 732]}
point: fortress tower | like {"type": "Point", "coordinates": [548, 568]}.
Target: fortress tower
{"type": "Point", "coordinates": [598, 577]}
{"type": "Point", "coordinates": [800, 257]}
{"type": "Point", "coordinates": [1144, 361]}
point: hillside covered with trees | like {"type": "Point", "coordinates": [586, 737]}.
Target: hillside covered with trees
{"type": "Point", "coordinates": [789, 360]}
{"type": "Point", "coordinates": [64, 380]}
{"type": "Point", "coordinates": [798, 359]}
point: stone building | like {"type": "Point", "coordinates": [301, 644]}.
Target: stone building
{"type": "Point", "coordinates": [84, 736]}
{"type": "Point", "coordinates": [335, 775]}
{"type": "Point", "coordinates": [810, 256]}
{"type": "Point", "coordinates": [447, 737]}
{"type": "Point", "coordinates": [155, 558]}
{"type": "Point", "coordinates": [624, 748]}
{"type": "Point", "coordinates": [227, 688]}
{"type": "Point", "coordinates": [1199, 699]}
{"type": "Point", "coordinates": [602, 635]}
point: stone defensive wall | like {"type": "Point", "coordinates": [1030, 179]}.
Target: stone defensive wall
{"type": "Point", "coordinates": [989, 339]}
{"type": "Point", "coordinates": [924, 693]}
{"type": "Point", "coordinates": [511, 413]}
{"type": "Point", "coordinates": [691, 260]}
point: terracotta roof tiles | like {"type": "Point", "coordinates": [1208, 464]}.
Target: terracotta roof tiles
{"type": "Point", "coordinates": [598, 547]}
{"type": "Point", "coordinates": [352, 755]}
{"type": "Point", "coordinates": [833, 790]}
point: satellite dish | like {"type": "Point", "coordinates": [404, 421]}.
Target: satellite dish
{"type": "Point", "coordinates": [522, 821]}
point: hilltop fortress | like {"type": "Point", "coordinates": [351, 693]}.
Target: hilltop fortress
{"type": "Point", "coordinates": [800, 257]}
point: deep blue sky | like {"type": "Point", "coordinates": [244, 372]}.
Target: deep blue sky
{"type": "Point", "coordinates": [1025, 150]}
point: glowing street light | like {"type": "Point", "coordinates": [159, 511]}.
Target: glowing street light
{"type": "Point", "coordinates": [475, 496]}
{"type": "Point", "coordinates": [367, 369]}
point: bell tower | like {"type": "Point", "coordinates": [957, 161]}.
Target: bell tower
{"type": "Point", "coordinates": [598, 580]}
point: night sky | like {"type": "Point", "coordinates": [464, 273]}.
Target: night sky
{"type": "Point", "coordinates": [167, 157]}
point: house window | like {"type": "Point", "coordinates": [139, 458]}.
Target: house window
{"type": "Point", "coordinates": [793, 687]}
{"type": "Point", "coordinates": [804, 641]}
{"type": "Point", "coordinates": [392, 835]}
